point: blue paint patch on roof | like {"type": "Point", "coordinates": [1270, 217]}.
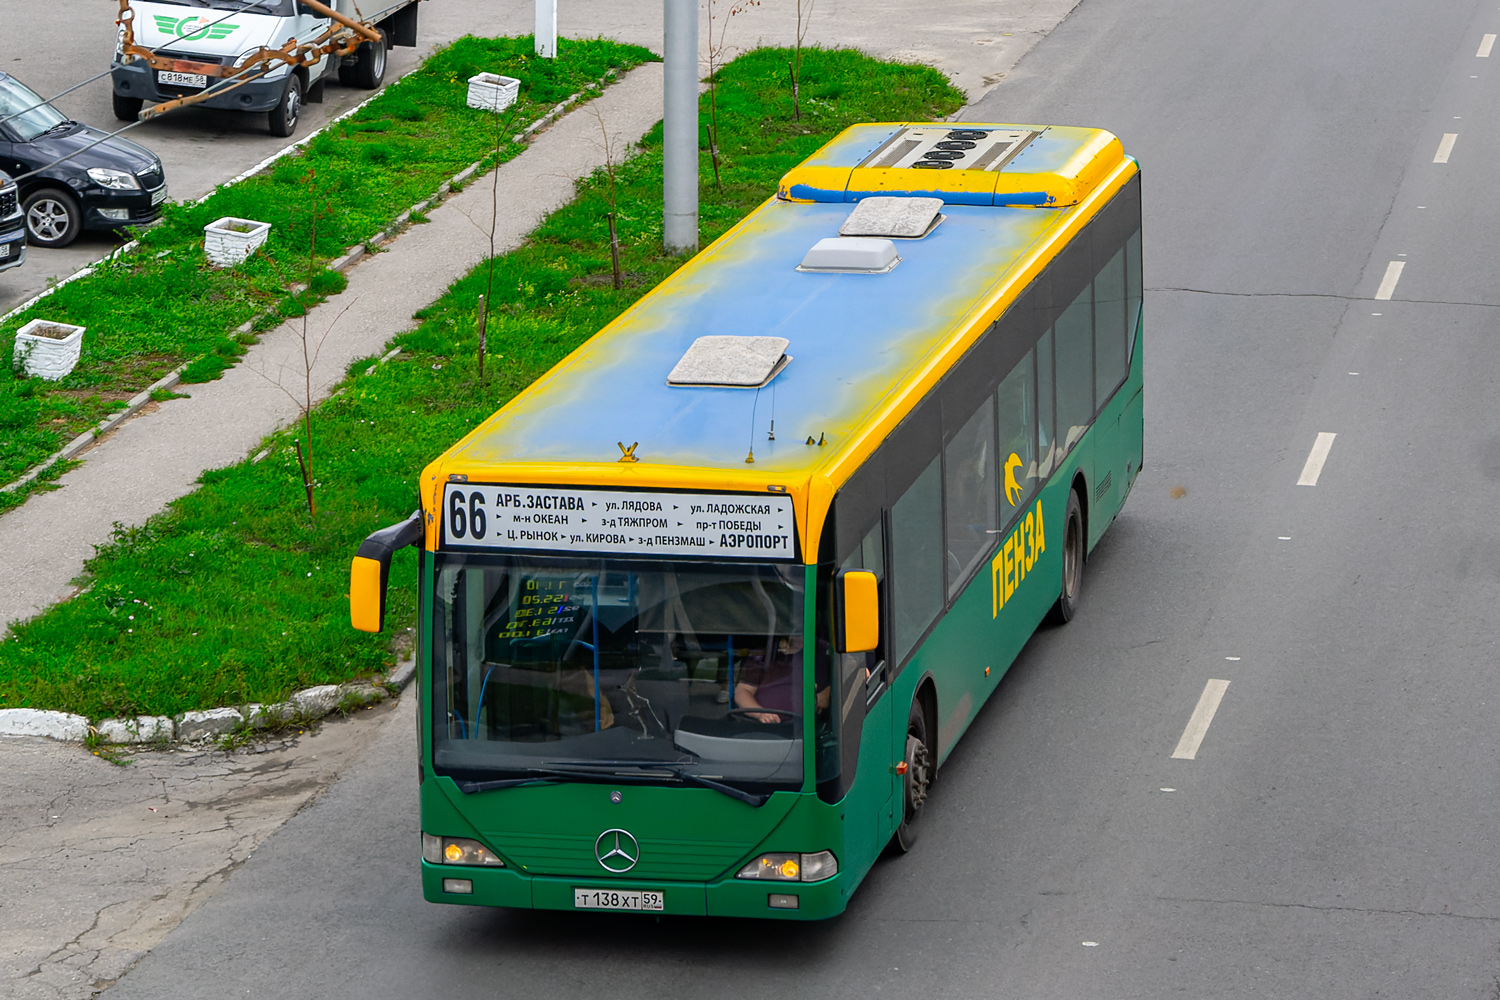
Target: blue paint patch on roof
{"type": "Point", "coordinates": [853, 340]}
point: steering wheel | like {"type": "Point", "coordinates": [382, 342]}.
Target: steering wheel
{"type": "Point", "coordinates": [752, 712]}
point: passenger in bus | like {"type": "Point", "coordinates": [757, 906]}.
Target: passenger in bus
{"type": "Point", "coordinates": [772, 685]}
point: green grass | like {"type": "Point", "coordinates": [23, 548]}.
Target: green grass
{"type": "Point", "coordinates": [236, 596]}
{"type": "Point", "coordinates": [150, 311]}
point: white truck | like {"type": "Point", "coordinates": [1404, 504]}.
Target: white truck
{"type": "Point", "coordinates": [263, 56]}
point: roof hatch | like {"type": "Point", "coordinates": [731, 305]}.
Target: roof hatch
{"type": "Point", "coordinates": [894, 218]}
{"type": "Point", "coordinates": [731, 362]}
{"type": "Point", "coordinates": [851, 255]}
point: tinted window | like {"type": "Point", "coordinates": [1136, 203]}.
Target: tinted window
{"type": "Point", "coordinates": [1132, 288]}
{"type": "Point", "coordinates": [1046, 425]}
{"type": "Point", "coordinates": [969, 478]}
{"type": "Point", "coordinates": [1016, 399]}
{"type": "Point", "coordinates": [1109, 326]}
{"type": "Point", "coordinates": [916, 560]}
{"type": "Point", "coordinates": [1074, 334]}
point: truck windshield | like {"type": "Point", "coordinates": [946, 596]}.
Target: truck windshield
{"type": "Point", "coordinates": [694, 669]}
{"type": "Point", "coordinates": [277, 8]}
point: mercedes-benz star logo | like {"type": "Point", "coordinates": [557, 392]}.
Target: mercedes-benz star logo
{"type": "Point", "coordinates": [617, 851]}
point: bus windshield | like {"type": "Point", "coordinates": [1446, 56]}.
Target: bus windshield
{"type": "Point", "coordinates": [640, 668]}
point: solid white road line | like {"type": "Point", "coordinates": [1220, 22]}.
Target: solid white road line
{"type": "Point", "coordinates": [1197, 727]}
{"type": "Point", "coordinates": [1392, 275]}
{"type": "Point", "coordinates": [1485, 45]}
{"type": "Point", "coordinates": [1315, 459]}
{"type": "Point", "coordinates": [1445, 147]}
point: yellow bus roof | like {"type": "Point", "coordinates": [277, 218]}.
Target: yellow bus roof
{"type": "Point", "coordinates": [864, 347]}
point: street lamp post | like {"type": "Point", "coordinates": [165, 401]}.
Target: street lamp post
{"type": "Point", "coordinates": [680, 127]}
{"type": "Point", "coordinates": [546, 28]}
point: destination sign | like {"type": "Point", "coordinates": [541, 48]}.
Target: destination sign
{"type": "Point", "coordinates": [561, 519]}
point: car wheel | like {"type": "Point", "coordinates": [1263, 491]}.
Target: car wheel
{"type": "Point", "coordinates": [1072, 571]}
{"type": "Point", "coordinates": [283, 117]}
{"type": "Point", "coordinates": [127, 109]}
{"type": "Point", "coordinates": [369, 70]}
{"type": "Point", "coordinates": [918, 777]}
{"type": "Point", "coordinates": [53, 218]}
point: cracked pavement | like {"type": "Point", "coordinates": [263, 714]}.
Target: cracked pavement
{"type": "Point", "coordinates": [98, 861]}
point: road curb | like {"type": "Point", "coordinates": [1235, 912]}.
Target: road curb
{"type": "Point", "coordinates": [207, 725]}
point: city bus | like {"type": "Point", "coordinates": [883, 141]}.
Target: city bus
{"type": "Point", "coordinates": [705, 608]}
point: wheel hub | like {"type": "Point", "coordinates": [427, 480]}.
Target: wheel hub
{"type": "Point", "coordinates": [918, 773]}
{"type": "Point", "coordinates": [47, 219]}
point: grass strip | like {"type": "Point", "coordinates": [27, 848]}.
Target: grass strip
{"type": "Point", "coordinates": [149, 311]}
{"type": "Point", "coordinates": [232, 595]}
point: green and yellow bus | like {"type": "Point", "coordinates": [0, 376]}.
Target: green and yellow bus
{"type": "Point", "coordinates": [704, 609]}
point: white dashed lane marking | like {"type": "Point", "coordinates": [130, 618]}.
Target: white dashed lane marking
{"type": "Point", "coordinates": [1388, 283]}
{"type": "Point", "coordinates": [1313, 467]}
{"type": "Point", "coordinates": [1197, 727]}
{"type": "Point", "coordinates": [1485, 45]}
{"type": "Point", "coordinates": [1445, 147]}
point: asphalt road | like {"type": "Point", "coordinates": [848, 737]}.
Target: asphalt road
{"type": "Point", "coordinates": [1335, 834]}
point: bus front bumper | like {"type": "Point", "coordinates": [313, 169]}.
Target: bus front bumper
{"type": "Point", "coordinates": [725, 898]}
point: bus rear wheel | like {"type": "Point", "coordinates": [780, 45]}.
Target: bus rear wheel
{"type": "Point", "coordinates": [1072, 570]}
{"type": "Point", "coordinates": [918, 779]}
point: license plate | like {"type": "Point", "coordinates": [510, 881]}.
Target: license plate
{"type": "Point", "coordinates": [616, 899]}
{"type": "Point", "coordinates": [182, 79]}
{"type": "Point", "coordinates": [4, 249]}
{"type": "Point", "coordinates": [159, 195]}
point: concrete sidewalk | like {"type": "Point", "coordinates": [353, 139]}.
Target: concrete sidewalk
{"type": "Point", "coordinates": [157, 456]}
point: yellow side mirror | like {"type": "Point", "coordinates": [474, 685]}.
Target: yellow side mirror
{"type": "Point", "coordinates": [859, 611]}
{"type": "Point", "coordinates": [371, 570]}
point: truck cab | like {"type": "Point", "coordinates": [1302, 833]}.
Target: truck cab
{"type": "Point", "coordinates": [205, 41]}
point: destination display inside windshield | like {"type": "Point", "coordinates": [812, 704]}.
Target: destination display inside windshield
{"type": "Point", "coordinates": [560, 519]}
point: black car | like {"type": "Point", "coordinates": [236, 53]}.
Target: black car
{"type": "Point", "coordinates": [71, 180]}
{"type": "Point", "coordinates": [12, 233]}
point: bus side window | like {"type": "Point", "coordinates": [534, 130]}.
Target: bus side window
{"type": "Point", "coordinates": [1132, 292]}
{"type": "Point", "coordinates": [851, 679]}
{"type": "Point", "coordinates": [916, 560]}
{"type": "Point", "coordinates": [1020, 474]}
{"type": "Point", "coordinates": [969, 488]}
{"type": "Point", "coordinates": [1046, 427]}
{"type": "Point", "coordinates": [1109, 327]}
{"type": "Point", "coordinates": [1075, 369]}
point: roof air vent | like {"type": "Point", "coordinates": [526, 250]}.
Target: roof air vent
{"type": "Point", "coordinates": [894, 218]}
{"type": "Point", "coordinates": [731, 362]}
{"type": "Point", "coordinates": [851, 255]}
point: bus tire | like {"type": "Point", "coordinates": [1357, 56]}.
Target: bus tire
{"type": "Point", "coordinates": [917, 780]}
{"type": "Point", "coordinates": [1072, 570]}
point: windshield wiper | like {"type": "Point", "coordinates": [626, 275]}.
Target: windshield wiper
{"type": "Point", "coordinates": [678, 771]}
{"type": "Point", "coordinates": [539, 778]}
{"type": "Point", "coordinates": [54, 128]}
{"type": "Point", "coordinates": [639, 774]}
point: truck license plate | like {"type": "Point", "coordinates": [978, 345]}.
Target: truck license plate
{"type": "Point", "coordinates": [616, 899]}
{"type": "Point", "coordinates": [182, 79]}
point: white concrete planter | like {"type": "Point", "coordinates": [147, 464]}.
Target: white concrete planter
{"type": "Point", "coordinates": [493, 92]}
{"type": "Point", "coordinates": [228, 241]}
{"type": "Point", "coordinates": [47, 350]}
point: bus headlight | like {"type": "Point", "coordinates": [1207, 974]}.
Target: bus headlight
{"type": "Point", "coordinates": [457, 851]}
{"type": "Point", "coordinates": [792, 867]}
